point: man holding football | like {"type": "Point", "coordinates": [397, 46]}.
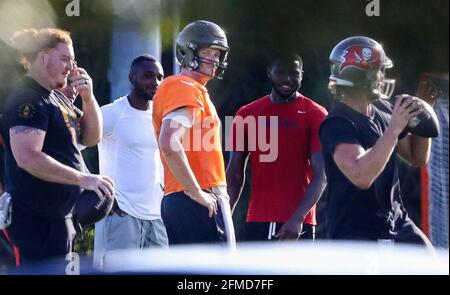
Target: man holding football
{"type": "Point", "coordinates": [360, 140]}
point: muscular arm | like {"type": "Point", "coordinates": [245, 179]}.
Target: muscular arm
{"type": "Point", "coordinates": [26, 146]}
{"type": "Point", "coordinates": [91, 123]}
{"type": "Point", "coordinates": [236, 176]}
{"type": "Point", "coordinates": [292, 228]}
{"type": "Point", "coordinates": [415, 149]}
{"type": "Point", "coordinates": [170, 143]}
{"type": "Point", "coordinates": [362, 166]}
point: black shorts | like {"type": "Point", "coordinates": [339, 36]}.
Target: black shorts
{"type": "Point", "coordinates": [409, 233]}
{"type": "Point", "coordinates": [188, 222]}
{"type": "Point", "coordinates": [265, 231]}
{"type": "Point", "coordinates": [39, 239]}
{"type": "Point", "coordinates": [406, 232]}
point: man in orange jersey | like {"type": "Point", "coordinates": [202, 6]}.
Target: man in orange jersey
{"type": "Point", "coordinates": [195, 208]}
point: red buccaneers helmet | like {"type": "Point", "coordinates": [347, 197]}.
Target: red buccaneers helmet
{"type": "Point", "coordinates": [360, 62]}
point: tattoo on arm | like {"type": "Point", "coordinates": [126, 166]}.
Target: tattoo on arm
{"type": "Point", "coordinates": [25, 130]}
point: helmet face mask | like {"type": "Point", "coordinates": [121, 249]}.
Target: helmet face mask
{"type": "Point", "coordinates": [360, 62]}
{"type": "Point", "coordinates": [199, 35]}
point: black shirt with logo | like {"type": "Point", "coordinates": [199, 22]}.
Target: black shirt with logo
{"type": "Point", "coordinates": [32, 105]}
{"type": "Point", "coordinates": [353, 213]}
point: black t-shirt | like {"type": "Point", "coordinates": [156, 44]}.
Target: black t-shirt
{"type": "Point", "coordinates": [354, 213]}
{"type": "Point", "coordinates": [32, 105]}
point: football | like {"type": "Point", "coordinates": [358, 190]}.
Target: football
{"type": "Point", "coordinates": [89, 208]}
{"type": "Point", "coordinates": [425, 124]}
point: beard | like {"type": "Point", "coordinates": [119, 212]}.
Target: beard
{"type": "Point", "coordinates": [282, 95]}
{"type": "Point", "coordinates": [141, 92]}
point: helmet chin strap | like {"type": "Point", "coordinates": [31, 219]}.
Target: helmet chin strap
{"type": "Point", "coordinates": [208, 62]}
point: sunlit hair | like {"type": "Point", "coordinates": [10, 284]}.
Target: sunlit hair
{"type": "Point", "coordinates": [29, 42]}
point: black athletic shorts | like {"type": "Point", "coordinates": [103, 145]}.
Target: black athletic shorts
{"type": "Point", "coordinates": [39, 239]}
{"type": "Point", "coordinates": [265, 231]}
{"type": "Point", "coordinates": [188, 222]}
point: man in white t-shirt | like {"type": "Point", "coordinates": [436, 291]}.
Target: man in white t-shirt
{"type": "Point", "coordinates": [128, 153]}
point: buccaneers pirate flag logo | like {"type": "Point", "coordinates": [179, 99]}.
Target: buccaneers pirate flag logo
{"type": "Point", "coordinates": [361, 57]}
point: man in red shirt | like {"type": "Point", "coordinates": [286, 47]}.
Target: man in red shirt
{"type": "Point", "coordinates": [288, 178]}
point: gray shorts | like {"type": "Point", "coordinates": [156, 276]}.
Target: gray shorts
{"type": "Point", "coordinates": [126, 232]}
